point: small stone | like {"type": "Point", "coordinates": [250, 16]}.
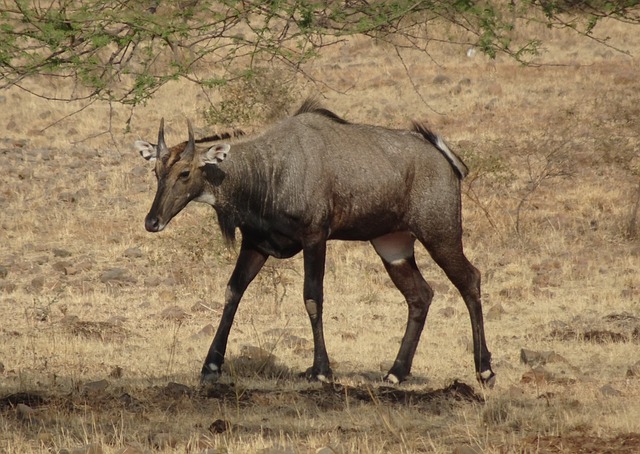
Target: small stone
{"type": "Point", "coordinates": [441, 79]}
{"type": "Point", "coordinates": [62, 267]}
{"type": "Point", "coordinates": [61, 253]}
{"type": "Point", "coordinates": [609, 391]}
{"type": "Point", "coordinates": [95, 386]}
{"type": "Point", "coordinates": [117, 320]}
{"type": "Point", "coordinates": [325, 450]}
{"type": "Point", "coordinates": [177, 389]}
{"type": "Point", "coordinates": [532, 357]}
{"type": "Point", "coordinates": [537, 375]}
{"type": "Point", "coordinates": [219, 426]}
{"type": "Point", "coordinates": [70, 320]}
{"type": "Point", "coordinates": [116, 372]}
{"type": "Point", "coordinates": [466, 449]}
{"type": "Point", "coordinates": [300, 343]}
{"type": "Point", "coordinates": [26, 413]}
{"type": "Point", "coordinates": [46, 438]}
{"type": "Point", "coordinates": [206, 332]}
{"type": "Point", "coordinates": [634, 370]}
{"type": "Point", "coordinates": [152, 281]}
{"type": "Point", "coordinates": [117, 276]}
{"type": "Point", "coordinates": [447, 312]}
{"type": "Point", "coordinates": [175, 313]}
{"type": "Point", "coordinates": [81, 193]}
{"type": "Point", "coordinates": [163, 440]}
{"type": "Point", "coordinates": [7, 287]}
{"type": "Point", "coordinates": [4, 271]}
{"type": "Point", "coordinates": [133, 252]}
{"type": "Point", "coordinates": [278, 449]}
{"type": "Point", "coordinates": [167, 296]}
{"type": "Point", "coordinates": [92, 448]}
{"type": "Point", "coordinates": [253, 352]}
{"type": "Point", "coordinates": [495, 312]}
{"type": "Point", "coordinates": [132, 449]}
{"type": "Point", "coordinates": [67, 197]}
{"type": "Point", "coordinates": [540, 375]}
{"type": "Point", "coordinates": [37, 284]}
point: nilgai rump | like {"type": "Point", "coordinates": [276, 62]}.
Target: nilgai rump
{"type": "Point", "coordinates": [315, 177]}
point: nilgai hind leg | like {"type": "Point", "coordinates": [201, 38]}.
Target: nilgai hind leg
{"type": "Point", "coordinates": [396, 252]}
{"type": "Point", "coordinates": [449, 256]}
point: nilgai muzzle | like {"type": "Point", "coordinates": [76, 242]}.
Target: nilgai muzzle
{"type": "Point", "coordinates": [315, 177]}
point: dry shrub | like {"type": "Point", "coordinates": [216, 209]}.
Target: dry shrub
{"type": "Point", "coordinates": [261, 95]}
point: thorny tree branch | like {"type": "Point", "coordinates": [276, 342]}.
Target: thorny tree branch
{"type": "Point", "coordinates": [123, 51]}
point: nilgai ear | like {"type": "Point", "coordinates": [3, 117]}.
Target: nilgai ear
{"type": "Point", "coordinates": [215, 154]}
{"type": "Point", "coordinates": [147, 150]}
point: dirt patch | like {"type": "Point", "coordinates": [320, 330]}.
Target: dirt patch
{"type": "Point", "coordinates": [585, 444]}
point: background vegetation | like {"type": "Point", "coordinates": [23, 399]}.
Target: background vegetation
{"type": "Point", "coordinates": [124, 51]}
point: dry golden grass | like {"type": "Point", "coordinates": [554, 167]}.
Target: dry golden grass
{"type": "Point", "coordinates": [568, 282]}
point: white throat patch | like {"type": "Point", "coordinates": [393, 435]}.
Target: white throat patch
{"type": "Point", "coordinates": [207, 198]}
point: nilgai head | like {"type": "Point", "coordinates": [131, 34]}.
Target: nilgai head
{"type": "Point", "coordinates": [180, 172]}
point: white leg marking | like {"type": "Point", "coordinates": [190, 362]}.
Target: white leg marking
{"type": "Point", "coordinates": [486, 374]}
{"type": "Point", "coordinates": [393, 379]}
{"type": "Point", "coordinates": [394, 248]}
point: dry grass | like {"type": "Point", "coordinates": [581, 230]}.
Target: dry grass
{"type": "Point", "coordinates": [567, 282]}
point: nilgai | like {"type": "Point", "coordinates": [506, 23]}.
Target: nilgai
{"type": "Point", "coordinates": [315, 177]}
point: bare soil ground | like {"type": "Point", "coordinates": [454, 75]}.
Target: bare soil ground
{"type": "Point", "coordinates": [105, 326]}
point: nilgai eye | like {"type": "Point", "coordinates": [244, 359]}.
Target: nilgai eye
{"type": "Point", "coordinates": [184, 174]}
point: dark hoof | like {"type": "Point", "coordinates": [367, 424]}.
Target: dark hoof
{"type": "Point", "coordinates": [311, 375]}
{"type": "Point", "coordinates": [487, 378]}
{"type": "Point", "coordinates": [210, 374]}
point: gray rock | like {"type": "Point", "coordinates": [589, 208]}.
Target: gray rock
{"type": "Point", "coordinates": [92, 448]}
{"type": "Point", "coordinates": [36, 285]}
{"type": "Point", "coordinates": [441, 79]}
{"type": "Point", "coordinates": [152, 281]}
{"type": "Point", "coordinates": [447, 312]}
{"type": "Point", "coordinates": [132, 449]}
{"type": "Point", "coordinates": [67, 196]}
{"type": "Point", "coordinates": [205, 333]}
{"type": "Point", "coordinates": [27, 414]}
{"type": "Point", "coordinates": [532, 357]}
{"type": "Point", "coordinates": [466, 449]}
{"type": "Point", "coordinates": [325, 450]}
{"type": "Point", "coordinates": [133, 252]}
{"type": "Point", "coordinates": [495, 312]}
{"type": "Point", "coordinates": [95, 386]}
{"type": "Point", "coordinates": [279, 449]}
{"type": "Point", "coordinates": [117, 276]}
{"type": "Point", "coordinates": [634, 370]}
{"type": "Point", "coordinates": [219, 426]}
{"type": "Point", "coordinates": [7, 287]}
{"type": "Point", "coordinates": [609, 391]}
{"type": "Point", "coordinates": [175, 313]}
{"type": "Point", "coordinates": [163, 440]}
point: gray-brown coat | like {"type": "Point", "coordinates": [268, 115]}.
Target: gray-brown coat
{"type": "Point", "coordinates": [315, 177]}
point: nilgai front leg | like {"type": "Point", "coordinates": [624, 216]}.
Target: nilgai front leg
{"type": "Point", "coordinates": [249, 263]}
{"type": "Point", "coordinates": [314, 260]}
